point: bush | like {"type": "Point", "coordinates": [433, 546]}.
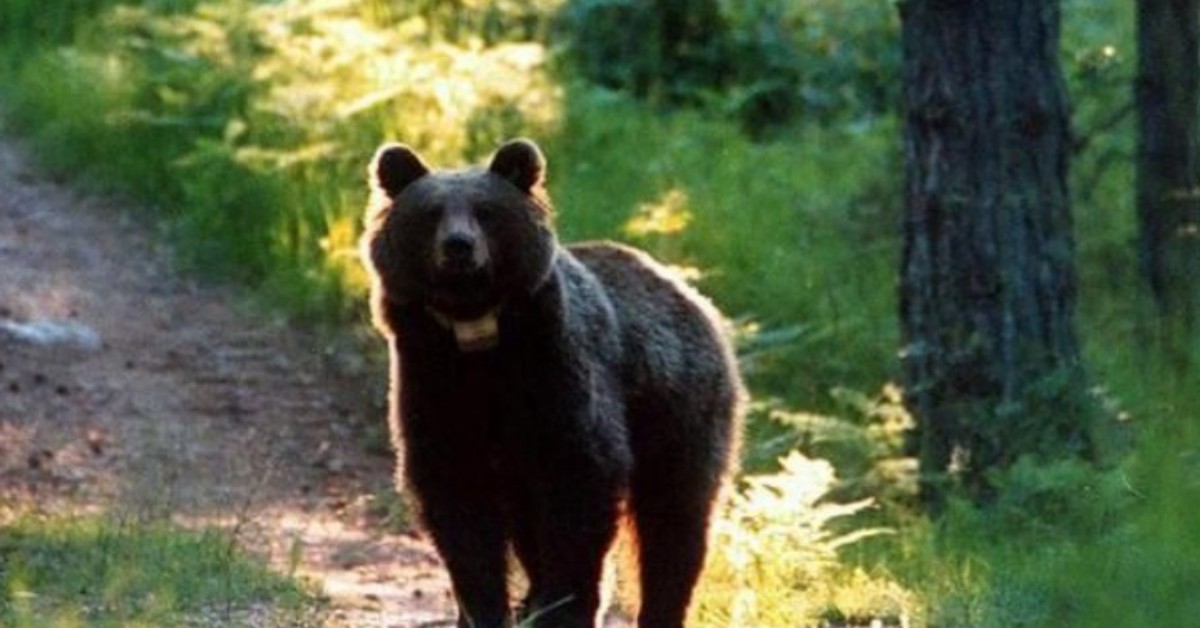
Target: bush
{"type": "Point", "coordinates": [774, 558]}
{"type": "Point", "coordinates": [764, 62]}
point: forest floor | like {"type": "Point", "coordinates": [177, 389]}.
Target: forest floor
{"type": "Point", "coordinates": [129, 390]}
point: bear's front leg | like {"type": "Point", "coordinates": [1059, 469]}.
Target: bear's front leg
{"type": "Point", "coordinates": [569, 511]}
{"type": "Point", "coordinates": [464, 515]}
{"type": "Point", "coordinates": [572, 529]}
{"type": "Point", "coordinates": [469, 535]}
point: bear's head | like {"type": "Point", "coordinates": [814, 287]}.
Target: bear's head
{"type": "Point", "coordinates": [460, 243]}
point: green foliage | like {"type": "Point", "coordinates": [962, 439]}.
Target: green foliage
{"type": "Point", "coordinates": [673, 51]}
{"type": "Point", "coordinates": [1152, 554]}
{"type": "Point", "coordinates": [1067, 544]}
{"type": "Point", "coordinates": [1037, 504]}
{"type": "Point", "coordinates": [487, 21]}
{"type": "Point", "coordinates": [775, 556]}
{"type": "Point", "coordinates": [71, 572]}
{"type": "Point", "coordinates": [865, 434]}
{"type": "Point", "coordinates": [764, 62]}
{"type": "Point", "coordinates": [246, 126]}
{"type": "Point", "coordinates": [1099, 57]}
{"type": "Point", "coordinates": [26, 24]}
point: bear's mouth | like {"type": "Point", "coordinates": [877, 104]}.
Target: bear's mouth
{"type": "Point", "coordinates": [465, 304]}
{"type": "Point", "coordinates": [463, 296]}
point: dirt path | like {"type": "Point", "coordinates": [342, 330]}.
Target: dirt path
{"type": "Point", "coordinates": [169, 401]}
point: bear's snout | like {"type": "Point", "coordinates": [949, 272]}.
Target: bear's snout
{"type": "Point", "coordinates": [458, 251]}
{"type": "Point", "coordinates": [460, 246]}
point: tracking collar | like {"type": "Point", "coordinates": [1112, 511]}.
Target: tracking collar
{"type": "Point", "coordinates": [479, 334]}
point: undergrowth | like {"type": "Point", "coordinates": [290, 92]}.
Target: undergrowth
{"type": "Point", "coordinates": [775, 556]}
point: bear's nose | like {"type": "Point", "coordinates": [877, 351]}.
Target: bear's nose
{"type": "Point", "coordinates": [458, 250]}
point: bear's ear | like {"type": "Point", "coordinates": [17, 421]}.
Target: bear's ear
{"type": "Point", "coordinates": [521, 163]}
{"type": "Point", "coordinates": [395, 167]}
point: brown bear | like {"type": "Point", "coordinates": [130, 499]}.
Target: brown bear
{"type": "Point", "coordinates": [540, 392]}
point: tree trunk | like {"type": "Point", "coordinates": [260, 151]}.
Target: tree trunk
{"type": "Point", "coordinates": [987, 293]}
{"type": "Point", "coordinates": [1168, 200]}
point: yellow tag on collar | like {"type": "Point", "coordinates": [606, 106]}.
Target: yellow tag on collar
{"type": "Point", "coordinates": [477, 335]}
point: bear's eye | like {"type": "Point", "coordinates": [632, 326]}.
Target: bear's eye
{"type": "Point", "coordinates": [427, 209]}
{"type": "Point", "coordinates": [485, 212]}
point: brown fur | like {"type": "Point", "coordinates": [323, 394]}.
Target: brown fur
{"type": "Point", "coordinates": [539, 391]}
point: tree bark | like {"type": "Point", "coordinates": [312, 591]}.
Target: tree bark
{"type": "Point", "coordinates": [1167, 94]}
{"type": "Point", "coordinates": [990, 358]}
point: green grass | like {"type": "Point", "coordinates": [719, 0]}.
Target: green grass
{"type": "Point", "coordinates": [98, 572]}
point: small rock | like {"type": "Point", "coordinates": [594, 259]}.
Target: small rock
{"type": "Point", "coordinates": [39, 458]}
{"type": "Point", "coordinates": [50, 333]}
{"type": "Point", "coordinates": [96, 442]}
{"type": "Point", "coordinates": [321, 455]}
